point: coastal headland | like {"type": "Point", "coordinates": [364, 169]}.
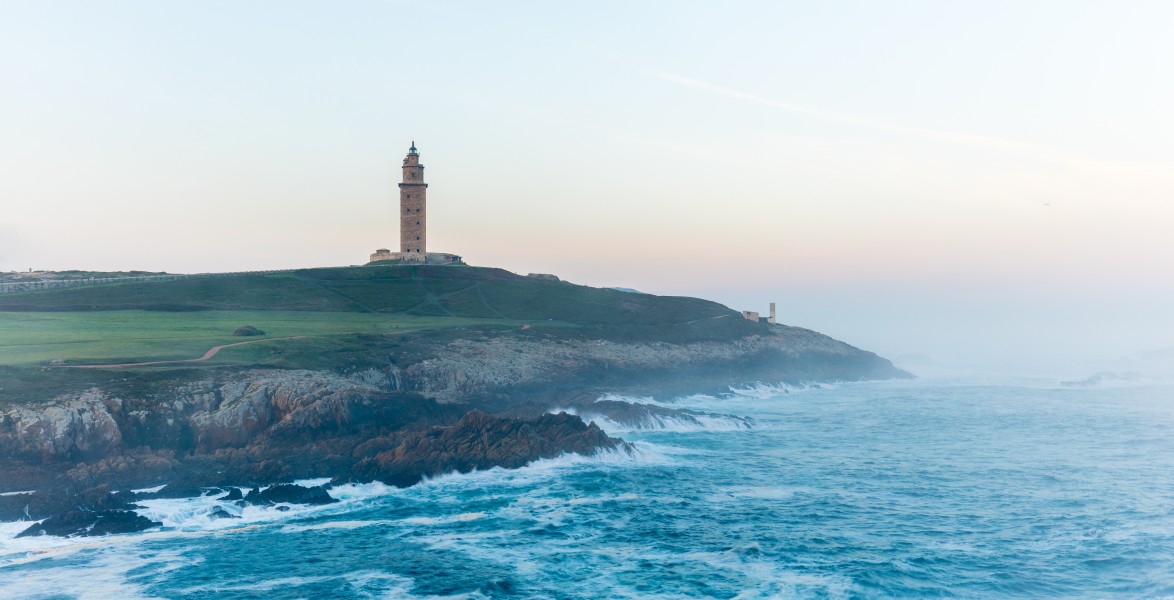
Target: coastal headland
{"type": "Point", "coordinates": [387, 373]}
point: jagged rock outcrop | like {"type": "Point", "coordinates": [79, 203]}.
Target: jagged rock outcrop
{"type": "Point", "coordinates": [77, 428]}
{"type": "Point", "coordinates": [481, 441]}
{"type": "Point", "coordinates": [240, 408]}
{"type": "Point", "coordinates": [290, 494]}
{"type": "Point", "coordinates": [83, 523]}
{"type": "Point", "coordinates": [226, 411]}
{"type": "Point", "coordinates": [42, 504]}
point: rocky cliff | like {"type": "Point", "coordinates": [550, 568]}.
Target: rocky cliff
{"type": "Point", "coordinates": [473, 402]}
{"type": "Point", "coordinates": [471, 367]}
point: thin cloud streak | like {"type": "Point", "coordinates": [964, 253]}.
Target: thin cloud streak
{"type": "Point", "coordinates": [938, 135]}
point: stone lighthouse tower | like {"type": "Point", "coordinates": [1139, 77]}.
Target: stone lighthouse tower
{"type": "Point", "coordinates": [413, 209]}
{"type": "Point", "coordinates": [413, 220]}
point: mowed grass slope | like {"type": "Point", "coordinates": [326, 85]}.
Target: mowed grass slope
{"type": "Point", "coordinates": [30, 338]}
{"type": "Point", "coordinates": [180, 319]}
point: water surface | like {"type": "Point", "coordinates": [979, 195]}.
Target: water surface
{"type": "Point", "coordinates": [896, 489]}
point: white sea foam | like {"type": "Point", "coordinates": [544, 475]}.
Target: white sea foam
{"type": "Point", "coordinates": [10, 529]}
{"type": "Point", "coordinates": [680, 423]}
{"type": "Point", "coordinates": [14, 551]}
{"type": "Point", "coordinates": [693, 399]}
{"type": "Point", "coordinates": [612, 397]}
{"type": "Point", "coordinates": [196, 514]}
{"type": "Point", "coordinates": [774, 492]}
{"type": "Point", "coordinates": [313, 482]}
{"type": "Point", "coordinates": [102, 576]}
{"type": "Point", "coordinates": [773, 390]}
{"type": "Point", "coordinates": [294, 528]}
{"type": "Point", "coordinates": [367, 582]}
{"type": "Point", "coordinates": [542, 469]}
{"type": "Point", "coordinates": [457, 518]}
{"type": "Point", "coordinates": [17, 493]}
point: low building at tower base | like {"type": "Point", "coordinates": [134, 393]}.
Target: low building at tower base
{"type": "Point", "coordinates": [420, 258]}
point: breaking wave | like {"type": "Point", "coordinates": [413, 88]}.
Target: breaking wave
{"type": "Point", "coordinates": [680, 423]}
{"type": "Point", "coordinates": [773, 390]}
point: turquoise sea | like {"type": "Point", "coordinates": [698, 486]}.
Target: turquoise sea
{"type": "Point", "coordinates": [926, 488]}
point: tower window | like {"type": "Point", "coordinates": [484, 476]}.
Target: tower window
{"type": "Point", "coordinates": [417, 238]}
{"type": "Point", "coordinates": [417, 222]}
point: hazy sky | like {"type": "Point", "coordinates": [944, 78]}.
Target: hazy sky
{"type": "Point", "coordinates": [944, 178]}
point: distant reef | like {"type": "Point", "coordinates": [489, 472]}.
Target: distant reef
{"type": "Point", "coordinates": [480, 386]}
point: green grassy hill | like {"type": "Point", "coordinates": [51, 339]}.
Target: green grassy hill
{"type": "Point", "coordinates": [336, 310]}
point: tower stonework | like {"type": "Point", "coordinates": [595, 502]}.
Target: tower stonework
{"type": "Point", "coordinates": [413, 209]}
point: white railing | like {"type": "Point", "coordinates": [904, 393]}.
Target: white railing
{"type": "Point", "coordinates": [46, 284]}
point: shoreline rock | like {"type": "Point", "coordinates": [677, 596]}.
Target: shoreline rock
{"type": "Point", "coordinates": [480, 441]}
{"type": "Point", "coordinates": [288, 493]}
{"type": "Point", "coordinates": [98, 512]}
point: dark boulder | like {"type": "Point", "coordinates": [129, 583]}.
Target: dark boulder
{"type": "Point", "coordinates": [233, 494]}
{"type": "Point", "coordinates": [220, 513]}
{"type": "Point", "coordinates": [20, 507]}
{"type": "Point", "coordinates": [247, 330]}
{"type": "Point", "coordinates": [47, 503]}
{"type": "Point", "coordinates": [172, 491]}
{"type": "Point", "coordinates": [289, 494]}
{"type": "Point", "coordinates": [90, 523]}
